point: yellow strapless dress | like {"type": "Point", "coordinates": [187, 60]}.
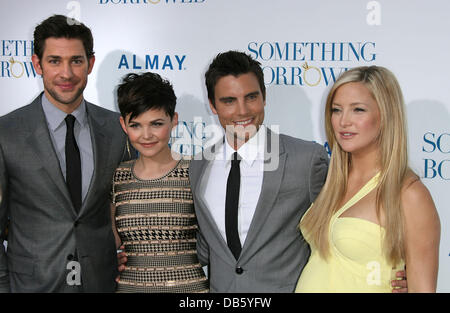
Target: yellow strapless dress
{"type": "Point", "coordinates": [356, 262]}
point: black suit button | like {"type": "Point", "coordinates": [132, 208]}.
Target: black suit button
{"type": "Point", "coordinates": [70, 257]}
{"type": "Point", "coordinates": [239, 270]}
{"type": "Point", "coordinates": [76, 224]}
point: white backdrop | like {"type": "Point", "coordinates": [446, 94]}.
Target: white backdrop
{"type": "Point", "coordinates": [302, 45]}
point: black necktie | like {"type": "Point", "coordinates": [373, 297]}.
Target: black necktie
{"type": "Point", "coordinates": [231, 207]}
{"type": "Point", "coordinates": [73, 164]}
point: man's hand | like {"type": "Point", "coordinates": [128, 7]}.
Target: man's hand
{"type": "Point", "coordinates": [400, 286]}
{"type": "Point", "coordinates": [122, 260]}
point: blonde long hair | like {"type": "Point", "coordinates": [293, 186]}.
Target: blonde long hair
{"type": "Point", "coordinates": [392, 142]}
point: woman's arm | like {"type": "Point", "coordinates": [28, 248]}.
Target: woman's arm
{"type": "Point", "coordinates": [422, 236]}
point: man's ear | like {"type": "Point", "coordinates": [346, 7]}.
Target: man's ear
{"type": "Point", "coordinates": [213, 107]}
{"type": "Point", "coordinates": [36, 64]}
{"type": "Point", "coordinates": [91, 64]}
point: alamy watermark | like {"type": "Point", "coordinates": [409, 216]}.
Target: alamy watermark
{"type": "Point", "coordinates": [210, 137]}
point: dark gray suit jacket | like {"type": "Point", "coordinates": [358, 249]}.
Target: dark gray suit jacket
{"type": "Point", "coordinates": [274, 252]}
{"type": "Point", "coordinates": [44, 229]}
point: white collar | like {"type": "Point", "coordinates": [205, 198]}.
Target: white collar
{"type": "Point", "coordinates": [250, 151]}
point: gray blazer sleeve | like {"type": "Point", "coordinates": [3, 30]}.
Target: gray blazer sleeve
{"type": "Point", "coordinates": [202, 249]}
{"type": "Point", "coordinates": [319, 169]}
{"type": "Point", "coordinates": [4, 274]}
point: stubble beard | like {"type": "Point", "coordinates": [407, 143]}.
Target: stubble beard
{"type": "Point", "coordinates": [57, 97]}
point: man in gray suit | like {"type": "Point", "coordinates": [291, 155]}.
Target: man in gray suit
{"type": "Point", "coordinates": [57, 158]}
{"type": "Point", "coordinates": [249, 204]}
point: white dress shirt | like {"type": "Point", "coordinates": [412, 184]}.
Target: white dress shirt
{"type": "Point", "coordinates": [214, 182]}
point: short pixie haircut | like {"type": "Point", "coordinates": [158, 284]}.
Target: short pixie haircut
{"type": "Point", "coordinates": [232, 63]}
{"type": "Point", "coordinates": [139, 93]}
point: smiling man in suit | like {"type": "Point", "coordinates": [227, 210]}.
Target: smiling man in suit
{"type": "Point", "coordinates": [57, 157]}
{"type": "Point", "coordinates": [252, 187]}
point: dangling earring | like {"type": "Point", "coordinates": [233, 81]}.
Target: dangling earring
{"type": "Point", "coordinates": [128, 149]}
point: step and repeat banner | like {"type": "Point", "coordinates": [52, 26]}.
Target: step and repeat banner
{"type": "Point", "coordinates": [302, 45]}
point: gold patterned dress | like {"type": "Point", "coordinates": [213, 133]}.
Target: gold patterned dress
{"type": "Point", "coordinates": [156, 222]}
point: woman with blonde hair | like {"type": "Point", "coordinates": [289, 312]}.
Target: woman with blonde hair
{"type": "Point", "coordinates": [373, 214]}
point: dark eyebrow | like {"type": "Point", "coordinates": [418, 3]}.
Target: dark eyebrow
{"type": "Point", "coordinates": [254, 93]}
{"type": "Point", "coordinates": [153, 121]}
{"type": "Point", "coordinates": [227, 98]}
{"type": "Point", "coordinates": [74, 57]}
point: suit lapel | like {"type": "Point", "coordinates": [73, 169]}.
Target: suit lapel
{"type": "Point", "coordinates": [203, 165]}
{"type": "Point", "coordinates": [100, 148]}
{"type": "Point", "coordinates": [40, 142]}
{"type": "Point", "coordinates": [272, 179]}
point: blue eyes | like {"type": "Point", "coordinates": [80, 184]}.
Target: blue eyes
{"type": "Point", "coordinates": [336, 110]}
{"type": "Point", "coordinates": [57, 61]}
{"type": "Point", "coordinates": [228, 101]}
{"type": "Point", "coordinates": [156, 124]}
{"type": "Point", "coordinates": [231, 100]}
